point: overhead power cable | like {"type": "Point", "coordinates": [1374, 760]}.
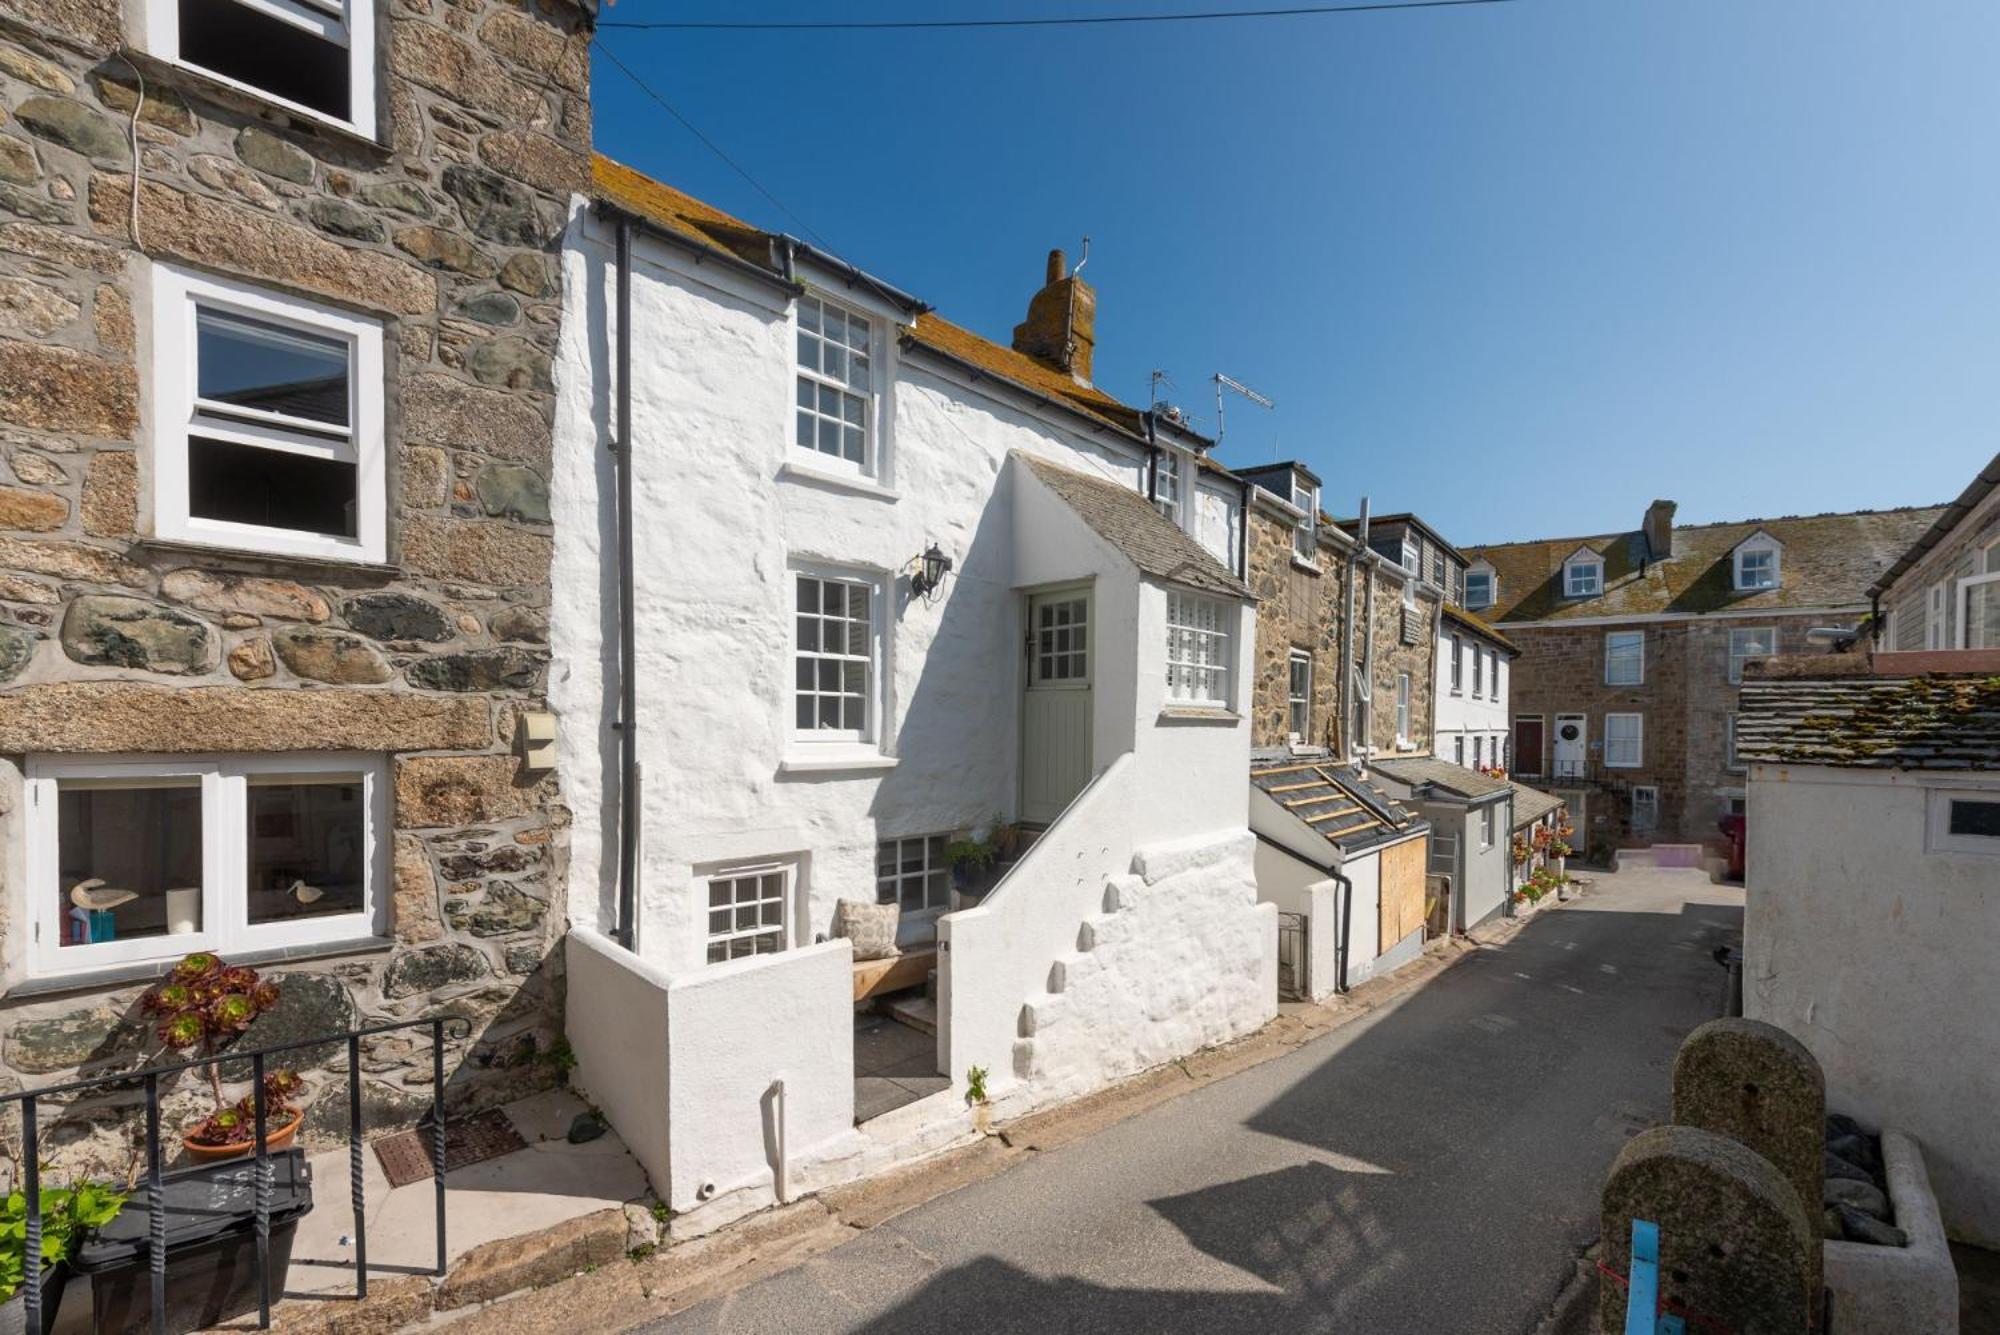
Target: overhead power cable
{"type": "Point", "coordinates": [711, 145]}
{"type": "Point", "coordinates": [1060, 21]}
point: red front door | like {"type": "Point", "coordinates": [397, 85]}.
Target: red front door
{"type": "Point", "coordinates": [1528, 743]}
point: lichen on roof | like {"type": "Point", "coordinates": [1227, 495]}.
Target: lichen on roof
{"type": "Point", "coordinates": [1931, 722]}
{"type": "Point", "coordinates": [1829, 561]}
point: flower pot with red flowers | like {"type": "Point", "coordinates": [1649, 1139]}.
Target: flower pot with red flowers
{"type": "Point", "coordinates": [206, 1005]}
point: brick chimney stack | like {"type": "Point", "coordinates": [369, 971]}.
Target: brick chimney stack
{"type": "Point", "coordinates": [1659, 530]}
{"type": "Point", "coordinates": [1061, 328]}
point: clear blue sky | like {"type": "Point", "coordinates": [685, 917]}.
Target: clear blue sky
{"type": "Point", "coordinates": [1520, 268]}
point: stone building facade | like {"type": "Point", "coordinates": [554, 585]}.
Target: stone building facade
{"type": "Point", "coordinates": [309, 665]}
{"type": "Point", "coordinates": [1649, 637]}
{"type": "Point", "coordinates": [1301, 610]}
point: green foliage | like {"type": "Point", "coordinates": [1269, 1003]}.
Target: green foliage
{"type": "Point", "coordinates": [68, 1215]}
{"type": "Point", "coordinates": [561, 1056]}
{"type": "Point", "coordinates": [975, 1085]}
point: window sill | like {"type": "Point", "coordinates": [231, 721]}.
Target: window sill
{"type": "Point", "coordinates": [852, 484]}
{"type": "Point", "coordinates": [181, 72]}
{"type": "Point", "coordinates": [1310, 567]}
{"type": "Point", "coordinates": [121, 974]}
{"type": "Point", "coordinates": [209, 551]}
{"type": "Point", "coordinates": [835, 760]}
{"type": "Point", "coordinates": [1199, 714]}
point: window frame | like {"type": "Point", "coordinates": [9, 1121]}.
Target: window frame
{"type": "Point", "coordinates": [1491, 581]}
{"type": "Point", "coordinates": [1296, 701]}
{"type": "Point", "coordinates": [1637, 740]}
{"type": "Point", "coordinates": [1651, 802]}
{"type": "Point", "coordinates": [1937, 822]}
{"type": "Point", "coordinates": [1305, 534]}
{"type": "Point", "coordinates": [1167, 486]}
{"type": "Point", "coordinates": [1740, 564]}
{"type": "Point", "coordinates": [895, 878]}
{"type": "Point", "coordinates": [1403, 710]}
{"type": "Point", "coordinates": [785, 899]}
{"type": "Point", "coordinates": [1737, 660]}
{"type": "Point", "coordinates": [1182, 634]}
{"type": "Point", "coordinates": [1578, 565]}
{"type": "Point", "coordinates": [1962, 636]}
{"type": "Point", "coordinates": [179, 296]}
{"type": "Point", "coordinates": [1640, 637]}
{"type": "Point", "coordinates": [356, 26]}
{"type": "Point", "coordinates": [1488, 824]}
{"type": "Point", "coordinates": [811, 457]}
{"type": "Point", "coordinates": [1936, 624]}
{"type": "Point", "coordinates": [225, 899]}
{"type": "Point", "coordinates": [1478, 673]}
{"type": "Point", "coordinates": [872, 730]}
{"type": "Point", "coordinates": [1457, 665]}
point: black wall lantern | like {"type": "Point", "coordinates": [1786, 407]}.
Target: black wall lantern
{"type": "Point", "coordinates": [932, 566]}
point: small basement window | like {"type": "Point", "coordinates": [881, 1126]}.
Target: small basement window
{"type": "Point", "coordinates": [913, 873]}
{"type": "Point", "coordinates": [747, 911]}
{"type": "Point", "coordinates": [315, 56]}
{"type": "Point", "coordinates": [270, 421]}
{"type": "Point", "coordinates": [140, 860]}
{"type": "Point", "coordinates": [1965, 821]}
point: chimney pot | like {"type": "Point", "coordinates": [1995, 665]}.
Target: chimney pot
{"type": "Point", "coordinates": [1061, 328]}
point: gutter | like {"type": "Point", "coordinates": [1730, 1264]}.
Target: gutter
{"type": "Point", "coordinates": [626, 927]}
{"type": "Point", "coordinates": [911, 343]}
{"type": "Point", "coordinates": [794, 248]}
{"type": "Point", "coordinates": [1968, 500]}
{"type": "Point", "coordinates": [701, 250]}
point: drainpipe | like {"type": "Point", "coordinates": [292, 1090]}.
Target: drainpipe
{"type": "Point", "coordinates": [628, 692]}
{"type": "Point", "coordinates": [1346, 922]}
{"type": "Point", "coordinates": [1875, 619]}
{"type": "Point", "coordinates": [1363, 553]}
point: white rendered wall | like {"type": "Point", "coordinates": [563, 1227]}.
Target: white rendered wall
{"type": "Point", "coordinates": [1461, 715]}
{"type": "Point", "coordinates": [1292, 886]}
{"type": "Point", "coordinates": [720, 525]}
{"type": "Point", "coordinates": [1487, 870]}
{"type": "Point", "coordinates": [1878, 956]}
{"type": "Point", "coordinates": [616, 1022]}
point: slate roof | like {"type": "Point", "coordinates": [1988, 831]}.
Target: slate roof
{"type": "Point", "coordinates": [1337, 804]}
{"type": "Point", "coordinates": [1454, 779]}
{"type": "Point", "coordinates": [1128, 521]}
{"type": "Point", "coordinates": [1829, 561]}
{"type": "Point", "coordinates": [697, 222]}
{"type": "Point", "coordinates": [1869, 722]}
{"type": "Point", "coordinates": [1531, 804]}
{"type": "Point", "coordinates": [1479, 626]}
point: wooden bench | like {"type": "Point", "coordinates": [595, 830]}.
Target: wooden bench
{"type": "Point", "coordinates": [909, 969]}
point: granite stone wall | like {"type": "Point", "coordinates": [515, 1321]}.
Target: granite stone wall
{"type": "Point", "coordinates": [1297, 608]}
{"type": "Point", "coordinates": [1686, 699]}
{"type": "Point", "coordinates": [113, 641]}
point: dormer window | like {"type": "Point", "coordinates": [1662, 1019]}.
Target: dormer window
{"type": "Point", "coordinates": [1305, 538]}
{"type": "Point", "coordinates": [1482, 586]}
{"type": "Point", "coordinates": [1412, 558]}
{"type": "Point", "coordinates": [1583, 574]}
{"type": "Point", "coordinates": [1757, 563]}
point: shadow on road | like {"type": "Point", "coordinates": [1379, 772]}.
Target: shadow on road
{"type": "Point", "coordinates": [1484, 1109]}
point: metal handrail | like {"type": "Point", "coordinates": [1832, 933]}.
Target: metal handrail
{"type": "Point", "coordinates": [156, 1244]}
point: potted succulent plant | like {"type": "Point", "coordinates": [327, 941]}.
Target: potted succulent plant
{"type": "Point", "coordinates": [974, 858]}
{"type": "Point", "coordinates": [69, 1214]}
{"type": "Point", "coordinates": [207, 1004]}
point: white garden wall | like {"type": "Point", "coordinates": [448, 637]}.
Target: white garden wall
{"type": "Point", "coordinates": [1877, 954]}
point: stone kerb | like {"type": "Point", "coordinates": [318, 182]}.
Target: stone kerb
{"type": "Point", "coordinates": [1734, 1238]}
{"type": "Point", "coordinates": [1756, 1084]}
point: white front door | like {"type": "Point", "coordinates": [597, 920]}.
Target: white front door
{"type": "Point", "coordinates": [1055, 713]}
{"type": "Point", "coordinates": [1572, 745]}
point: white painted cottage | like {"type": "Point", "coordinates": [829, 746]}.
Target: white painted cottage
{"type": "Point", "coordinates": [898, 595]}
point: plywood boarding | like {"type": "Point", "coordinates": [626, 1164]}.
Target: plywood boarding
{"type": "Point", "coordinates": [1402, 897]}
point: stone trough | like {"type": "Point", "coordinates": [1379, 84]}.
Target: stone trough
{"type": "Point", "coordinates": [1911, 1290]}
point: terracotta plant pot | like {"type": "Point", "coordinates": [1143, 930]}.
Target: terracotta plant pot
{"type": "Point", "coordinates": [275, 1138]}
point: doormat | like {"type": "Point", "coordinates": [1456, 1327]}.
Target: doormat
{"type": "Point", "coordinates": [406, 1157]}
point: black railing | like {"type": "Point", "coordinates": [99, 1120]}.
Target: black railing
{"type": "Point", "coordinates": [156, 1247]}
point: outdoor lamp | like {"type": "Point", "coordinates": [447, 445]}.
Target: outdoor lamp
{"type": "Point", "coordinates": [933, 565]}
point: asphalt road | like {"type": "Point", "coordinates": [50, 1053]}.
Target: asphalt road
{"type": "Point", "coordinates": [1431, 1168]}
